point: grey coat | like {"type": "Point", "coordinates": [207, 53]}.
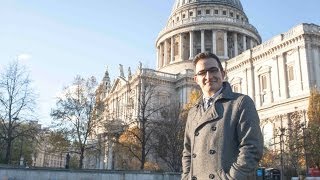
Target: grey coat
{"type": "Point", "coordinates": [224, 142]}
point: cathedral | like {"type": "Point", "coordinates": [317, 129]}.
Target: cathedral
{"type": "Point", "coordinates": [277, 74]}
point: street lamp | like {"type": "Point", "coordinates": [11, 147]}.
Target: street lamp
{"type": "Point", "coordinates": [21, 146]}
{"type": "Point", "coordinates": [304, 126]}
{"type": "Point", "coordinates": [282, 130]}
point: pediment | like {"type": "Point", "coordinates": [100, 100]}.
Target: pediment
{"type": "Point", "coordinates": [235, 80]}
{"type": "Point", "coordinates": [264, 69]}
{"type": "Point", "coordinates": [118, 84]}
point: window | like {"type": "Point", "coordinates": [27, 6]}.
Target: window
{"type": "Point", "coordinates": [208, 11]}
{"type": "Point", "coordinates": [290, 73]}
{"type": "Point", "coordinates": [231, 14]}
{"type": "Point", "coordinates": [224, 13]}
{"type": "Point", "coordinates": [177, 18]}
{"type": "Point", "coordinates": [263, 82]}
{"type": "Point", "coordinates": [236, 88]}
{"type": "Point", "coordinates": [238, 16]}
{"type": "Point", "coordinates": [199, 12]}
{"type": "Point", "coordinates": [216, 11]}
{"type": "Point", "coordinates": [190, 13]}
{"type": "Point", "coordinates": [183, 16]}
{"type": "Point", "coordinates": [263, 87]}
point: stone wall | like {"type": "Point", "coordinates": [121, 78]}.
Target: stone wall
{"type": "Point", "coordinates": [62, 174]}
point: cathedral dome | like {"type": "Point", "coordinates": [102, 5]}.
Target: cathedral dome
{"type": "Point", "coordinates": [232, 3]}
{"type": "Point", "coordinates": [217, 26]}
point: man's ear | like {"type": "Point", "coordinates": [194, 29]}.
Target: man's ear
{"type": "Point", "coordinates": [223, 73]}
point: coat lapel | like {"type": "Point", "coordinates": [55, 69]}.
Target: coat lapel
{"type": "Point", "coordinates": [205, 116]}
{"type": "Point", "coordinates": [211, 114]}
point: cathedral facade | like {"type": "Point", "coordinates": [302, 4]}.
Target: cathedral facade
{"type": "Point", "coordinates": [277, 74]}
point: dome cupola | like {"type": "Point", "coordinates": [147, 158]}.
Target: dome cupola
{"type": "Point", "coordinates": [232, 3]}
{"type": "Point", "coordinates": [194, 26]}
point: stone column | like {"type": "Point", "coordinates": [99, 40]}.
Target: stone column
{"type": "Point", "coordinates": [165, 49]}
{"type": "Point", "coordinates": [246, 82]}
{"type": "Point", "coordinates": [315, 61]}
{"type": "Point", "coordinates": [110, 155]}
{"type": "Point", "coordinates": [158, 58]}
{"type": "Point", "coordinates": [214, 42]}
{"type": "Point", "coordinates": [251, 43]}
{"type": "Point", "coordinates": [172, 50]}
{"type": "Point", "coordinates": [191, 45]}
{"type": "Point", "coordinates": [225, 38]}
{"type": "Point", "coordinates": [202, 41]}
{"type": "Point", "coordinates": [161, 55]}
{"type": "Point", "coordinates": [181, 52]}
{"type": "Point", "coordinates": [308, 65]}
{"type": "Point", "coordinates": [235, 41]}
{"type": "Point", "coordinates": [283, 77]}
{"type": "Point", "coordinates": [276, 80]}
{"type": "Point", "coordinates": [299, 78]}
{"type": "Point", "coordinates": [244, 42]}
{"type": "Point", "coordinates": [251, 83]}
{"type": "Point", "coordinates": [257, 89]}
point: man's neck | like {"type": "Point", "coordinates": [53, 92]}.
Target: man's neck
{"type": "Point", "coordinates": [211, 94]}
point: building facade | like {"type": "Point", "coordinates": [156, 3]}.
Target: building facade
{"type": "Point", "coordinates": [43, 156]}
{"type": "Point", "coordinates": [277, 74]}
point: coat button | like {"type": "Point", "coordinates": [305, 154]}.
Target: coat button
{"type": "Point", "coordinates": [212, 151]}
{"type": "Point", "coordinates": [197, 133]}
{"type": "Point", "coordinates": [213, 128]}
{"type": "Point", "coordinates": [194, 178]}
{"type": "Point", "coordinates": [194, 155]}
{"type": "Point", "coordinates": [211, 176]}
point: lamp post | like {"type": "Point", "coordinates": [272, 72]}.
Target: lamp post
{"type": "Point", "coordinates": [21, 146]}
{"type": "Point", "coordinates": [304, 126]}
{"type": "Point", "coordinates": [67, 161]}
{"type": "Point", "coordinates": [282, 130]}
{"type": "Point", "coordinates": [21, 156]}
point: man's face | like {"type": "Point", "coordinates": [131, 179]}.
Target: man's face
{"type": "Point", "coordinates": [208, 76]}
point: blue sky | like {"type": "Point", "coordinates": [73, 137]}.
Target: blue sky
{"type": "Point", "coordinates": [59, 39]}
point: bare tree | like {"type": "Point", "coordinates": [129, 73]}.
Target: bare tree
{"type": "Point", "coordinates": [74, 113]}
{"type": "Point", "coordinates": [170, 131]}
{"type": "Point", "coordinates": [169, 137]}
{"type": "Point", "coordinates": [17, 104]}
{"type": "Point", "coordinates": [148, 114]}
{"type": "Point", "coordinates": [57, 141]}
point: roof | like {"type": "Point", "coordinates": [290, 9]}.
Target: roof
{"type": "Point", "coordinates": [233, 3]}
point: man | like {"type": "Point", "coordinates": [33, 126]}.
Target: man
{"type": "Point", "coordinates": [222, 139]}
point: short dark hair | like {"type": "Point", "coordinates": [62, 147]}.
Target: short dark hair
{"type": "Point", "coordinates": [206, 55]}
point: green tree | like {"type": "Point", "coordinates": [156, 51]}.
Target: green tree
{"type": "Point", "coordinates": [313, 130]}
{"type": "Point", "coordinates": [295, 141]}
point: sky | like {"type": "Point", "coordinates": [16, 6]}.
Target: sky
{"type": "Point", "coordinates": [57, 40]}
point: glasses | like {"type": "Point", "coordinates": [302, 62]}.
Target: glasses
{"type": "Point", "coordinates": [212, 70]}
